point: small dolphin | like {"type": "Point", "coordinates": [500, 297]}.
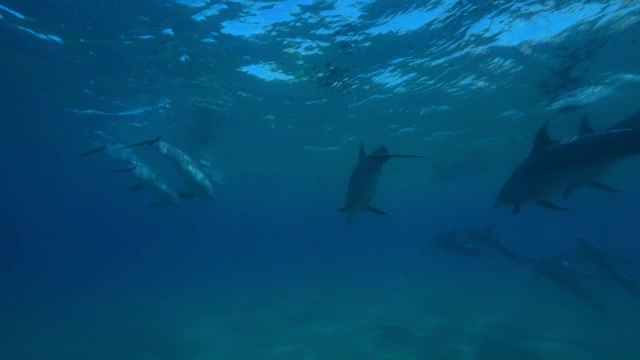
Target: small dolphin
{"type": "Point", "coordinates": [364, 181]}
{"type": "Point", "coordinates": [487, 238]}
{"type": "Point", "coordinates": [566, 276]}
{"type": "Point", "coordinates": [198, 184]}
{"type": "Point", "coordinates": [608, 266]}
{"type": "Point", "coordinates": [144, 176]}
{"type": "Point", "coordinates": [450, 242]}
{"type": "Point", "coordinates": [561, 166]}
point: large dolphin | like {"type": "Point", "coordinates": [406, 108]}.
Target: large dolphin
{"type": "Point", "coordinates": [606, 264]}
{"type": "Point", "coordinates": [487, 238]}
{"type": "Point", "coordinates": [561, 166]}
{"type": "Point", "coordinates": [566, 276]}
{"type": "Point", "coordinates": [364, 181]}
{"type": "Point", "coordinates": [196, 181]}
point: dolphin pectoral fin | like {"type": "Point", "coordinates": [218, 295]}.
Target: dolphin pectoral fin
{"type": "Point", "coordinates": [375, 211]}
{"type": "Point", "coordinates": [549, 205]}
{"type": "Point", "coordinates": [137, 187]}
{"type": "Point", "coordinates": [600, 186]}
{"type": "Point", "coordinates": [127, 169]}
{"type": "Point", "coordinates": [146, 142]}
{"type": "Point", "coordinates": [186, 195]}
{"type": "Point", "coordinates": [516, 207]}
{"type": "Point", "coordinates": [568, 191]}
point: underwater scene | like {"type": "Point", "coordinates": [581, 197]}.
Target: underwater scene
{"type": "Point", "coordinates": [320, 179]}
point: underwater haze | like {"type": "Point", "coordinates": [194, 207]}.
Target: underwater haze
{"type": "Point", "coordinates": [172, 173]}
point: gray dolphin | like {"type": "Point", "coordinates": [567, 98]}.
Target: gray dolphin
{"type": "Point", "coordinates": [144, 176]}
{"type": "Point", "coordinates": [566, 276]}
{"type": "Point", "coordinates": [606, 264]}
{"type": "Point", "coordinates": [487, 238]}
{"type": "Point", "coordinates": [364, 181]}
{"type": "Point", "coordinates": [561, 166]}
{"type": "Point", "coordinates": [197, 183]}
{"type": "Point", "coordinates": [450, 242]}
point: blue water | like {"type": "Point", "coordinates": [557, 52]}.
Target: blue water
{"type": "Point", "coordinates": [271, 100]}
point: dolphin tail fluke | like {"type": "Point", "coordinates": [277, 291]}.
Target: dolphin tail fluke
{"type": "Point", "coordinates": [94, 151]}
{"type": "Point", "coordinates": [600, 186]}
{"type": "Point", "coordinates": [376, 211]}
{"type": "Point", "coordinates": [146, 142]}
{"type": "Point", "coordinates": [549, 205]}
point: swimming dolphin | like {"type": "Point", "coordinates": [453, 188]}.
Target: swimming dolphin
{"type": "Point", "coordinates": [450, 242]}
{"type": "Point", "coordinates": [364, 181]}
{"type": "Point", "coordinates": [566, 276]}
{"type": "Point", "coordinates": [561, 166]}
{"type": "Point", "coordinates": [607, 265]}
{"type": "Point", "coordinates": [487, 238]}
{"type": "Point", "coordinates": [144, 176]}
{"type": "Point", "coordinates": [198, 184]}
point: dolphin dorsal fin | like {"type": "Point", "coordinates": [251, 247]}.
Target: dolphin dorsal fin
{"type": "Point", "coordinates": [585, 127]}
{"type": "Point", "coordinates": [542, 141]}
{"type": "Point", "coordinates": [362, 153]}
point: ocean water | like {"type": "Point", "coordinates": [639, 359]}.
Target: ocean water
{"type": "Point", "coordinates": [270, 101]}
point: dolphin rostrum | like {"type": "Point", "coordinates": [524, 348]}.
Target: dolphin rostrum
{"type": "Point", "coordinates": [364, 181]}
{"type": "Point", "coordinates": [561, 166]}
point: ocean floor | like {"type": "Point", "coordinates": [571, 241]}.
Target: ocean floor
{"type": "Point", "coordinates": [333, 322]}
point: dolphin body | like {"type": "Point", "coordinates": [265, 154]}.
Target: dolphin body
{"type": "Point", "coordinates": [196, 181]}
{"type": "Point", "coordinates": [598, 258]}
{"type": "Point", "coordinates": [561, 166]}
{"type": "Point", "coordinates": [561, 273]}
{"type": "Point", "coordinates": [450, 242]}
{"type": "Point", "coordinates": [144, 176]}
{"type": "Point", "coordinates": [487, 238]}
{"type": "Point", "coordinates": [364, 179]}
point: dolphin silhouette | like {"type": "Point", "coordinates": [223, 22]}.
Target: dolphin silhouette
{"type": "Point", "coordinates": [364, 179]}
{"type": "Point", "coordinates": [450, 242]}
{"type": "Point", "coordinates": [563, 274]}
{"type": "Point", "coordinates": [487, 238]}
{"type": "Point", "coordinates": [561, 166]}
{"type": "Point", "coordinates": [606, 264]}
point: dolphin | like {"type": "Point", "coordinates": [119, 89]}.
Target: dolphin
{"type": "Point", "coordinates": [561, 166]}
{"type": "Point", "coordinates": [144, 176]}
{"type": "Point", "coordinates": [450, 242]}
{"type": "Point", "coordinates": [197, 183]}
{"type": "Point", "coordinates": [607, 265]}
{"type": "Point", "coordinates": [566, 276]}
{"type": "Point", "coordinates": [487, 238]}
{"type": "Point", "coordinates": [364, 181]}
